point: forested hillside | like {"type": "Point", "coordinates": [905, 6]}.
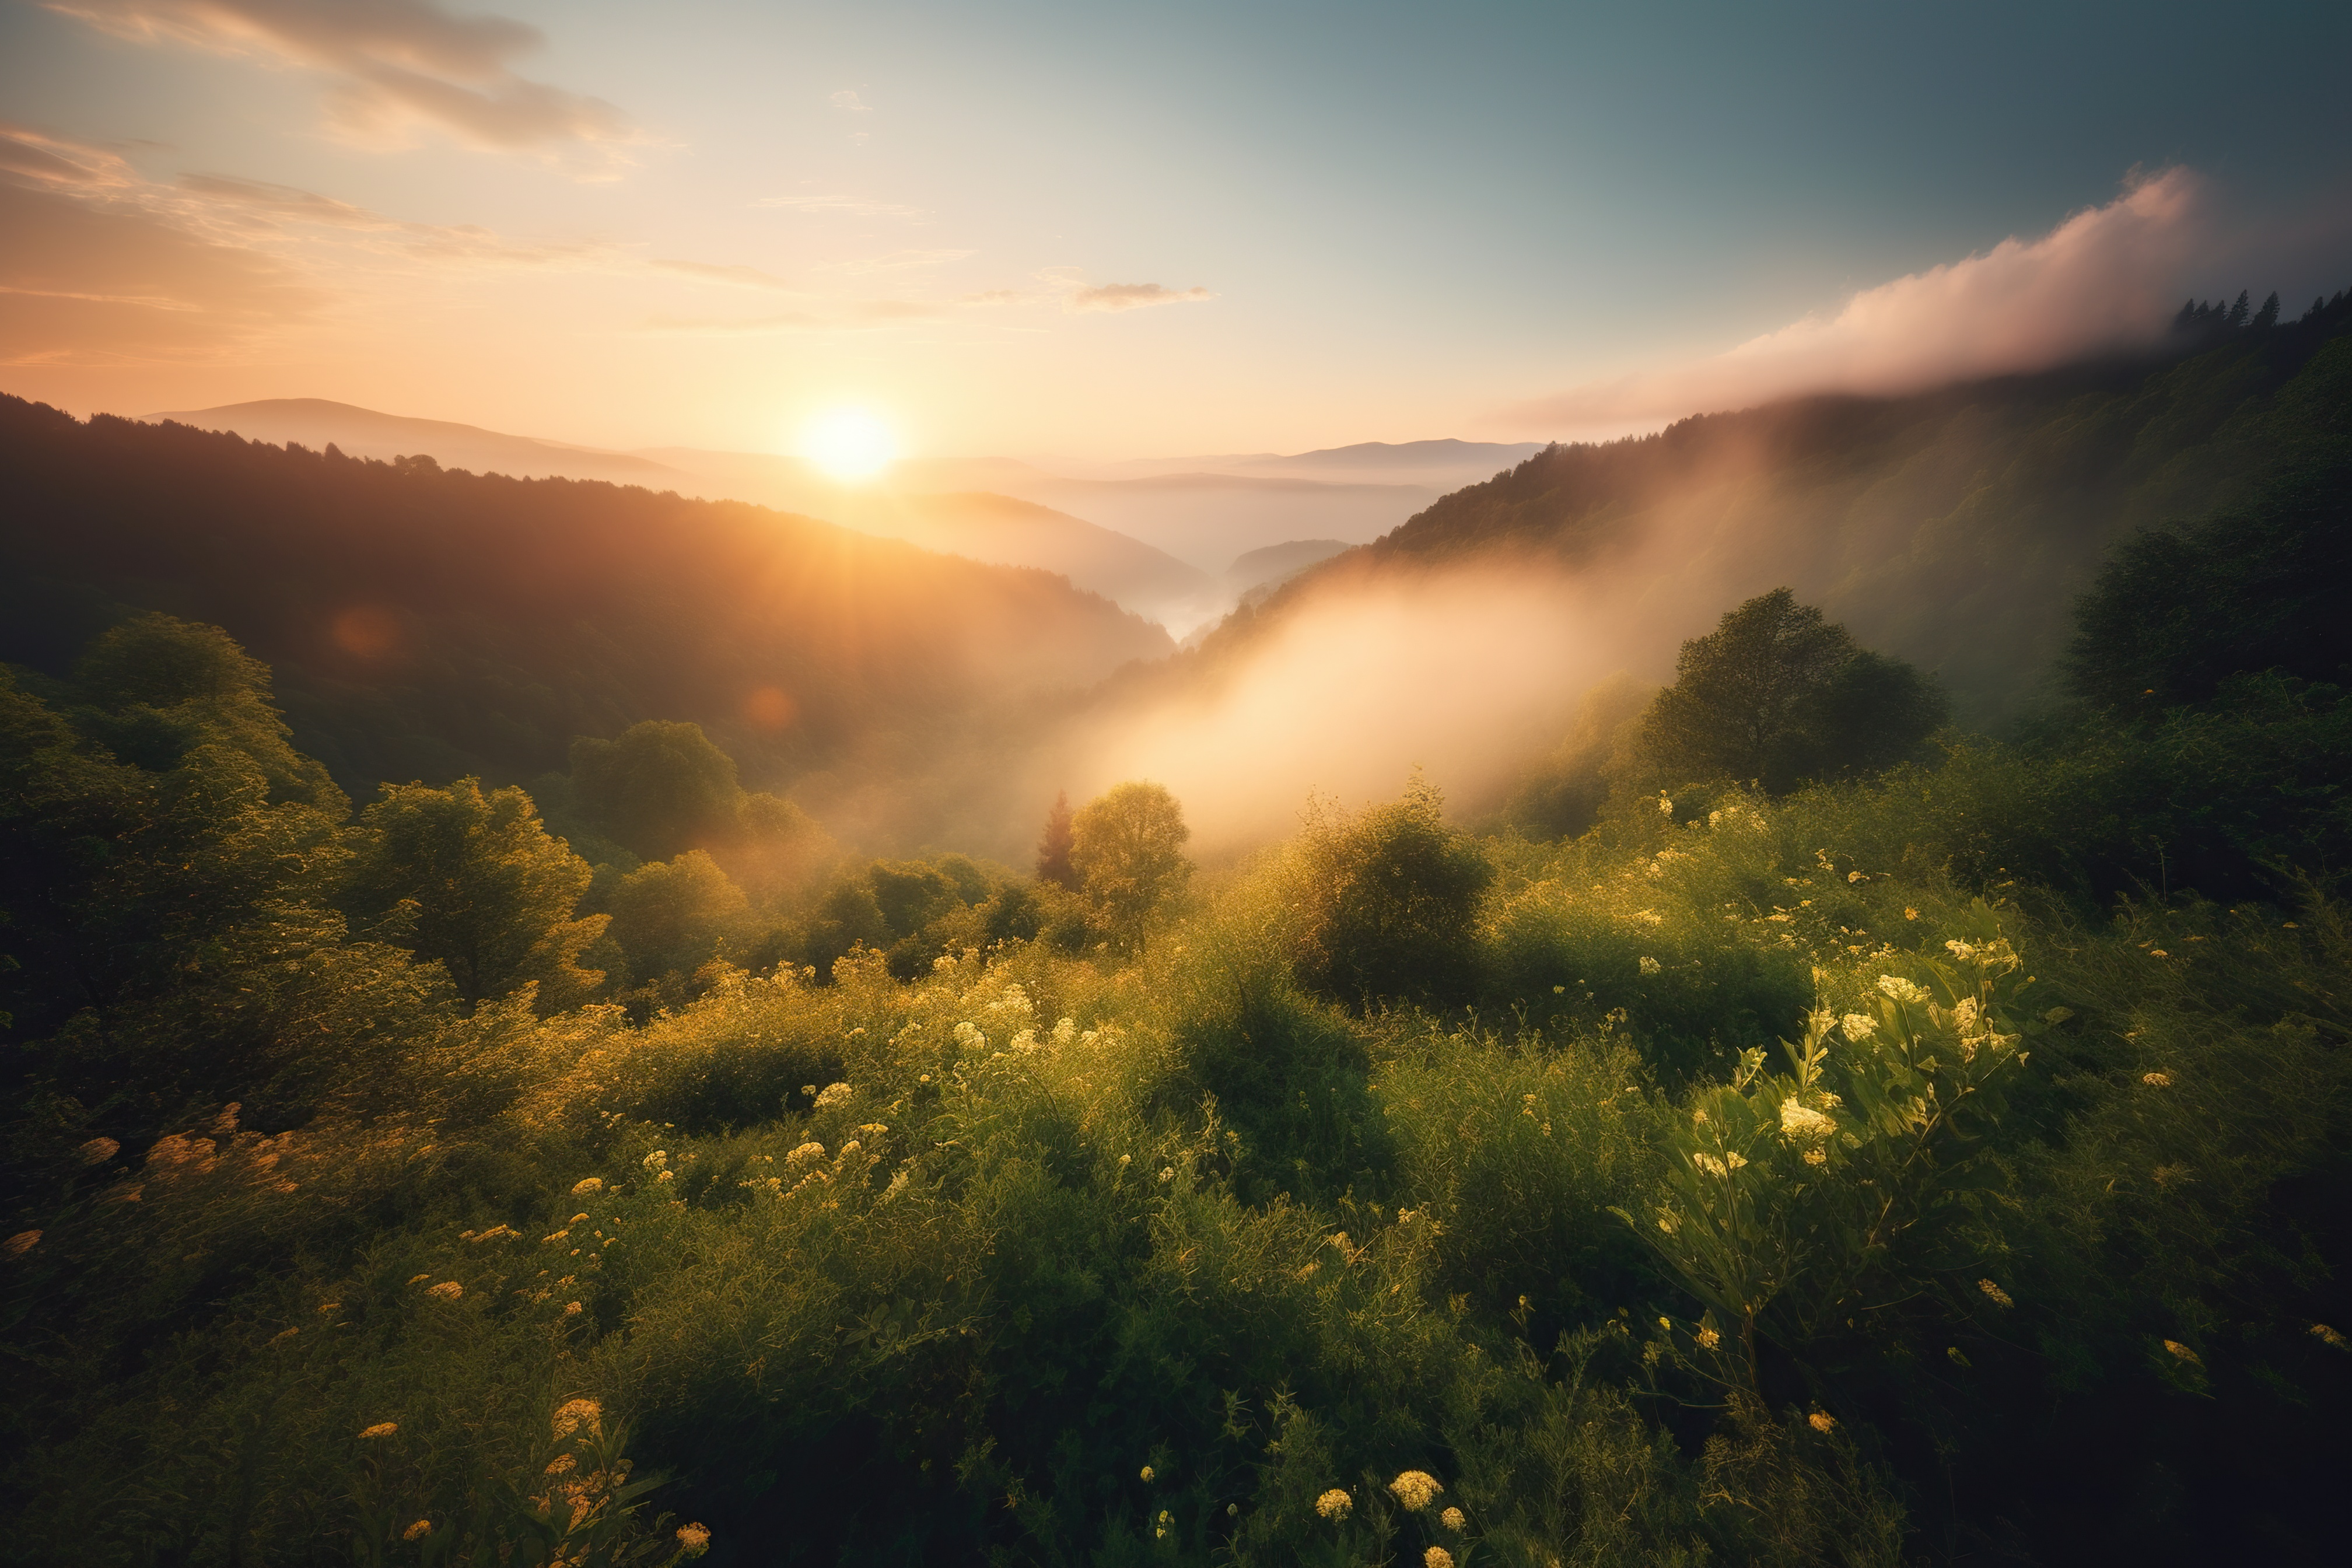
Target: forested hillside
{"type": "Point", "coordinates": [428, 624]}
{"type": "Point", "coordinates": [1865, 1172]}
{"type": "Point", "coordinates": [1952, 528]}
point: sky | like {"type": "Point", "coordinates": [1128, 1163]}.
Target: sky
{"type": "Point", "coordinates": [1108, 231]}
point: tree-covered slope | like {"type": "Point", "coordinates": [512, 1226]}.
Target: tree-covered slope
{"type": "Point", "coordinates": [427, 624]}
{"type": "Point", "coordinates": [1951, 529]}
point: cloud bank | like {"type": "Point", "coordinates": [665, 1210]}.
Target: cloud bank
{"type": "Point", "coordinates": [1129, 296]}
{"type": "Point", "coordinates": [2107, 280]}
{"type": "Point", "coordinates": [393, 64]}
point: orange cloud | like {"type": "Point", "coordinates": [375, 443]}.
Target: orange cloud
{"type": "Point", "coordinates": [392, 62]}
{"type": "Point", "coordinates": [2106, 280]}
{"type": "Point", "coordinates": [1129, 297]}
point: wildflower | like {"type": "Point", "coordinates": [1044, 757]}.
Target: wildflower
{"type": "Point", "coordinates": [1709, 1163]}
{"type": "Point", "coordinates": [1666, 1221]}
{"type": "Point", "coordinates": [833, 1094]}
{"type": "Point", "coordinates": [1802, 1122]}
{"type": "Point", "coordinates": [23, 1242]}
{"type": "Point", "coordinates": [1437, 1557]}
{"type": "Point", "coordinates": [1167, 1173]}
{"type": "Point", "coordinates": [657, 1159]}
{"type": "Point", "coordinates": [806, 1154]}
{"type": "Point", "coordinates": [422, 1527]}
{"type": "Point", "coordinates": [1910, 915]}
{"type": "Point", "coordinates": [1995, 1294]}
{"type": "Point", "coordinates": [1709, 1339]}
{"type": "Point", "coordinates": [2158, 953]}
{"type": "Point", "coordinates": [1652, 966]}
{"type": "Point", "coordinates": [97, 1151]}
{"type": "Point", "coordinates": [1901, 990]}
{"type": "Point", "coordinates": [1731, 1158]}
{"type": "Point", "coordinates": [2183, 1352]}
{"type": "Point", "coordinates": [1665, 806]}
{"type": "Point", "coordinates": [1335, 1504]}
{"type": "Point", "coordinates": [557, 1236]}
{"type": "Point", "coordinates": [447, 1290]}
{"type": "Point", "coordinates": [561, 1465]}
{"type": "Point", "coordinates": [667, 1176]}
{"type": "Point", "coordinates": [575, 1219]}
{"type": "Point", "coordinates": [1816, 1157]}
{"type": "Point", "coordinates": [571, 1308]}
{"type": "Point", "coordinates": [1667, 1324]}
{"type": "Point", "coordinates": [2157, 1079]}
{"type": "Point", "coordinates": [414, 1277]}
{"type": "Point", "coordinates": [1960, 950]}
{"type": "Point", "coordinates": [2326, 1335]}
{"type": "Point", "coordinates": [573, 1413]}
{"type": "Point", "coordinates": [1147, 1475]}
{"type": "Point", "coordinates": [694, 1538]}
{"type": "Point", "coordinates": [1858, 1027]}
{"type": "Point", "coordinates": [326, 1307]}
{"type": "Point", "coordinates": [381, 1429]}
{"type": "Point", "coordinates": [1821, 1421]}
{"type": "Point", "coordinates": [1416, 1490]}
{"type": "Point", "coordinates": [1452, 1519]}
{"type": "Point", "coordinates": [1856, 877]}
{"type": "Point", "coordinates": [588, 1184]}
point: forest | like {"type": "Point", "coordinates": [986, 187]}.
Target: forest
{"type": "Point", "coordinates": [451, 1117]}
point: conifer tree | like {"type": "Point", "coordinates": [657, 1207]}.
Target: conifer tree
{"type": "Point", "coordinates": [1053, 844]}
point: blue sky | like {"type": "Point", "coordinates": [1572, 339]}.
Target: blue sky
{"type": "Point", "coordinates": [704, 222]}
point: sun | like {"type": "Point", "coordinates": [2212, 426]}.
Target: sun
{"type": "Point", "coordinates": [849, 444]}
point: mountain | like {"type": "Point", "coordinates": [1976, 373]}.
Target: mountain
{"type": "Point", "coordinates": [1952, 528]}
{"type": "Point", "coordinates": [918, 504]}
{"type": "Point", "coordinates": [426, 623]}
{"type": "Point", "coordinates": [317, 422]}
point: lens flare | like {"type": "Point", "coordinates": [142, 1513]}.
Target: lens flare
{"type": "Point", "coordinates": [849, 444]}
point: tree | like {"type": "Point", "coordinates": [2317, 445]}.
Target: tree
{"type": "Point", "coordinates": [659, 789]}
{"type": "Point", "coordinates": [1777, 695]}
{"type": "Point", "coordinates": [1388, 901]}
{"type": "Point", "coordinates": [493, 894]}
{"type": "Point", "coordinates": [671, 917]}
{"type": "Point", "coordinates": [157, 686]}
{"type": "Point", "coordinates": [1053, 844]}
{"type": "Point", "coordinates": [1126, 847]}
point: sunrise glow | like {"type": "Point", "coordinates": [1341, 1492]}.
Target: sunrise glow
{"type": "Point", "coordinates": [849, 444]}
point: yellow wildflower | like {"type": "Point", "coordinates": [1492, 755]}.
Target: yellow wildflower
{"type": "Point", "coordinates": [422, 1527]}
{"type": "Point", "coordinates": [381, 1429]}
{"type": "Point", "coordinates": [1816, 1157]}
{"type": "Point", "coordinates": [1147, 1475]}
{"type": "Point", "coordinates": [1910, 915]}
{"type": "Point", "coordinates": [573, 1413]}
{"type": "Point", "coordinates": [833, 1094]}
{"type": "Point", "coordinates": [1648, 966]}
{"type": "Point", "coordinates": [1858, 1027]}
{"type": "Point", "coordinates": [1437, 1557]}
{"type": "Point", "coordinates": [1803, 1122]}
{"type": "Point", "coordinates": [1452, 1519]}
{"type": "Point", "coordinates": [2183, 1352]}
{"type": "Point", "coordinates": [1995, 1294]}
{"type": "Point", "coordinates": [694, 1538]}
{"type": "Point", "coordinates": [561, 1465]}
{"type": "Point", "coordinates": [588, 1184]}
{"type": "Point", "coordinates": [1416, 1490]}
{"type": "Point", "coordinates": [571, 1308]}
{"type": "Point", "coordinates": [1709, 1339]}
{"type": "Point", "coordinates": [1821, 1421]}
{"type": "Point", "coordinates": [447, 1290]}
{"type": "Point", "coordinates": [2329, 1336]}
{"type": "Point", "coordinates": [1335, 1504]}
{"type": "Point", "coordinates": [414, 1279]}
{"type": "Point", "coordinates": [326, 1307]}
{"type": "Point", "coordinates": [23, 1242]}
{"type": "Point", "coordinates": [2157, 1079]}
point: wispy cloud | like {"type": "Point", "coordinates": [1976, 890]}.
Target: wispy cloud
{"type": "Point", "coordinates": [393, 64]}
{"type": "Point", "coordinates": [1129, 297]}
{"type": "Point", "coordinates": [847, 99]}
{"type": "Point", "coordinates": [2106, 280]}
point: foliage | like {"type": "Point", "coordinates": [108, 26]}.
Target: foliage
{"type": "Point", "coordinates": [486, 892]}
{"type": "Point", "coordinates": [1776, 695]}
{"type": "Point", "coordinates": [1126, 847]}
{"type": "Point", "coordinates": [1386, 903]}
